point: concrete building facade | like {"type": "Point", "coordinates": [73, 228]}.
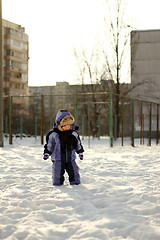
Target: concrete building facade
{"type": "Point", "coordinates": [145, 78]}
{"type": "Point", "coordinates": [15, 59]}
{"type": "Point", "coordinates": [145, 64]}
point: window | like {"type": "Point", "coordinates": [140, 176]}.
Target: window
{"type": "Point", "coordinates": [8, 52]}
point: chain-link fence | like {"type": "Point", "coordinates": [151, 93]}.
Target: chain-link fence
{"type": "Point", "coordinates": [95, 114]}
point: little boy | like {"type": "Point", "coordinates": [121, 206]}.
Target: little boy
{"type": "Point", "coordinates": [62, 142]}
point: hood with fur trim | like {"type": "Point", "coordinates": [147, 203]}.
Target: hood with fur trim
{"type": "Point", "coordinates": [64, 117]}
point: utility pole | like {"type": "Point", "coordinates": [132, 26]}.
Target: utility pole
{"type": "Point", "coordinates": [1, 80]}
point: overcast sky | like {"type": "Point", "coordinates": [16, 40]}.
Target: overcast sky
{"type": "Point", "coordinates": [55, 27]}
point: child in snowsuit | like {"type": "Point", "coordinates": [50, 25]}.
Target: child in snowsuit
{"type": "Point", "coordinates": [62, 142]}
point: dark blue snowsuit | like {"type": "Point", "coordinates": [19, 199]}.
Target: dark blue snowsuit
{"type": "Point", "coordinates": [62, 146]}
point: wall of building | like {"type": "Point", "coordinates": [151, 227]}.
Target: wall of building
{"type": "Point", "coordinates": [15, 66]}
{"type": "Point", "coordinates": [145, 77]}
{"type": "Point", "coordinates": [15, 59]}
{"type": "Point", "coordinates": [145, 64]}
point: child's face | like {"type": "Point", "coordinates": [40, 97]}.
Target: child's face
{"type": "Point", "coordinates": [66, 127]}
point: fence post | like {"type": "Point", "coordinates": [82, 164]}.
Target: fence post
{"type": "Point", "coordinates": [111, 120]}
{"type": "Point", "coordinates": [150, 124]}
{"type": "Point", "coordinates": [89, 125]}
{"type": "Point", "coordinates": [42, 119]}
{"type": "Point", "coordinates": [82, 126]}
{"type": "Point", "coordinates": [141, 122]}
{"type": "Point", "coordinates": [21, 127]}
{"type": "Point", "coordinates": [1, 76]}
{"type": "Point", "coordinates": [75, 109]}
{"type": "Point", "coordinates": [157, 139]}
{"type": "Point", "coordinates": [35, 127]}
{"type": "Point", "coordinates": [143, 118]}
{"type": "Point", "coordinates": [10, 120]}
{"type": "Point", "coordinates": [122, 119]}
{"type": "Point", "coordinates": [99, 126]}
{"type": "Point", "coordinates": [50, 123]}
{"type": "Point", "coordinates": [133, 127]}
{"type": "Point", "coordinates": [6, 126]}
{"type": "Point", "coordinates": [115, 127]}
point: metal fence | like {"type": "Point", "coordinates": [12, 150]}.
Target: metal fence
{"type": "Point", "coordinates": [94, 113]}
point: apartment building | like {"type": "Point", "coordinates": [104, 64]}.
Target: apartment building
{"type": "Point", "coordinates": [74, 98]}
{"type": "Point", "coordinates": [145, 62]}
{"type": "Point", "coordinates": [61, 89]}
{"type": "Point", "coordinates": [15, 60]}
{"type": "Point", "coordinates": [145, 76]}
{"type": "Point", "coordinates": [35, 99]}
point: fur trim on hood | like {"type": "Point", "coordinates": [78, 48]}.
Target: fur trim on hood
{"type": "Point", "coordinates": [63, 117]}
{"type": "Point", "coordinates": [66, 121]}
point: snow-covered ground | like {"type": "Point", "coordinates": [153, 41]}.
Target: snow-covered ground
{"type": "Point", "coordinates": [119, 197]}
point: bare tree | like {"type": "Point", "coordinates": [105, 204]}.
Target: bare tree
{"type": "Point", "coordinates": [90, 69]}
{"type": "Point", "coordinates": [116, 29]}
{"type": "Point", "coordinates": [109, 60]}
{"type": "Point", "coordinates": [1, 80]}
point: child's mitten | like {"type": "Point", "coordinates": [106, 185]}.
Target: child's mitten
{"type": "Point", "coordinates": [81, 156]}
{"type": "Point", "coordinates": [45, 156]}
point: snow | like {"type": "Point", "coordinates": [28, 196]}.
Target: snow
{"type": "Point", "coordinates": [119, 197]}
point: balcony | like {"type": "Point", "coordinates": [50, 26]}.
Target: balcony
{"type": "Point", "coordinates": [17, 59]}
{"type": "Point", "coordinates": [16, 69]}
